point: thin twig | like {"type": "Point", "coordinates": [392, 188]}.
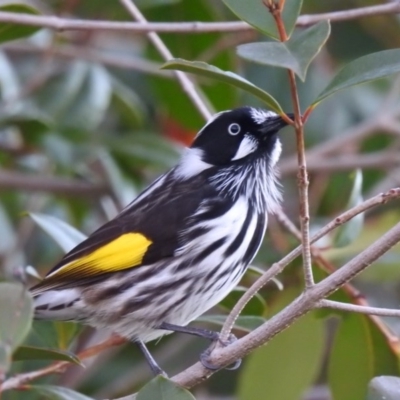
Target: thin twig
{"type": "Point", "coordinates": [376, 160]}
{"type": "Point", "coordinates": [302, 176]}
{"type": "Point", "coordinates": [63, 24]}
{"type": "Point", "coordinates": [188, 87]}
{"type": "Point", "coordinates": [276, 268]}
{"type": "Point", "coordinates": [85, 53]}
{"type": "Point", "coordinates": [336, 305]}
{"type": "Point", "coordinates": [20, 380]}
{"type": "Point", "coordinates": [64, 186]}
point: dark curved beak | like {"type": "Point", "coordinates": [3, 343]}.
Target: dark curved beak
{"type": "Point", "coordinates": [274, 124]}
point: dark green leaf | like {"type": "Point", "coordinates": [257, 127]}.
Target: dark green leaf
{"type": "Point", "coordinates": [296, 353]}
{"type": "Point", "coordinates": [246, 323]}
{"type": "Point", "coordinates": [348, 232]}
{"type": "Point", "coordinates": [65, 235]}
{"type": "Point", "coordinates": [351, 361]}
{"type": "Point", "coordinates": [296, 54]}
{"type": "Point", "coordinates": [59, 393]}
{"type": "Point", "coordinates": [363, 69]}
{"type": "Point", "coordinates": [161, 388]}
{"type": "Point", "coordinates": [204, 69]}
{"type": "Point", "coordinates": [10, 31]}
{"type": "Point", "coordinates": [384, 388]}
{"type": "Point", "coordinates": [255, 13]}
{"type": "Point", "coordinates": [40, 353]}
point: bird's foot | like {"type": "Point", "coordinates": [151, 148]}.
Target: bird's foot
{"type": "Point", "coordinates": [205, 355]}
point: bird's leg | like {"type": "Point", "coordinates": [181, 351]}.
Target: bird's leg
{"type": "Point", "coordinates": [152, 362]}
{"type": "Point", "coordinates": [207, 334]}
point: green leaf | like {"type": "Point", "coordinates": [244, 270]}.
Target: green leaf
{"type": "Point", "coordinates": [295, 354]}
{"type": "Point", "coordinates": [161, 388]}
{"type": "Point", "coordinates": [363, 69]}
{"type": "Point", "coordinates": [39, 353]}
{"type": "Point", "coordinates": [256, 14]}
{"type": "Point", "coordinates": [16, 313]}
{"type": "Point", "coordinates": [348, 232]}
{"type": "Point", "coordinates": [295, 54]}
{"type": "Point", "coordinates": [59, 393]}
{"type": "Point", "coordinates": [207, 70]}
{"type": "Point", "coordinates": [384, 388]}
{"type": "Point", "coordinates": [246, 323]}
{"type": "Point", "coordinates": [351, 361]}
{"type": "Point", "coordinates": [62, 233]}
{"type": "Point", "coordinates": [127, 103]}
{"type": "Point", "coordinates": [10, 31]}
{"type": "Point", "coordinates": [92, 100]}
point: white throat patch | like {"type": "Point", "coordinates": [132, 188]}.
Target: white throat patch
{"type": "Point", "coordinates": [247, 146]}
{"type": "Point", "coordinates": [191, 164]}
{"type": "Point", "coordinates": [260, 116]}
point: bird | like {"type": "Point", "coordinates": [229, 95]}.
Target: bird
{"type": "Point", "coordinates": [180, 246]}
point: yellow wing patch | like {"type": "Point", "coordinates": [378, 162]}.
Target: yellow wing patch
{"type": "Point", "coordinates": [124, 252]}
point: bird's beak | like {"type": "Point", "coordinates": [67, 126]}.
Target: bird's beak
{"type": "Point", "coordinates": [274, 124]}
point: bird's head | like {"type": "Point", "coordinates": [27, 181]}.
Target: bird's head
{"type": "Point", "coordinates": [234, 136]}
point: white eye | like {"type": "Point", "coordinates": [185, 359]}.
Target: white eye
{"type": "Point", "coordinates": [234, 129]}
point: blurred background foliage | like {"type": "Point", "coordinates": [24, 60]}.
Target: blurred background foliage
{"type": "Point", "coordinates": [87, 120]}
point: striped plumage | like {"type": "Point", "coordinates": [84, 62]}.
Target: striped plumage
{"type": "Point", "coordinates": [192, 233]}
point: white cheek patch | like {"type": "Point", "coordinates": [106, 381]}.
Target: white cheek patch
{"type": "Point", "coordinates": [247, 146]}
{"type": "Point", "coordinates": [191, 164]}
{"type": "Point", "coordinates": [276, 152]}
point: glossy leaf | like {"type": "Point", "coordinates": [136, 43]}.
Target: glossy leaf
{"type": "Point", "coordinates": [294, 354]}
{"type": "Point", "coordinates": [161, 388]}
{"type": "Point", "coordinates": [58, 393]}
{"type": "Point", "coordinates": [351, 362]}
{"type": "Point", "coordinates": [363, 69]}
{"type": "Point", "coordinates": [245, 323]}
{"type": "Point", "coordinates": [65, 235]}
{"type": "Point", "coordinates": [348, 232]}
{"type": "Point", "coordinates": [295, 54]}
{"type": "Point", "coordinates": [40, 353]}
{"type": "Point", "coordinates": [384, 388]}
{"type": "Point", "coordinates": [207, 70]}
{"type": "Point", "coordinates": [256, 14]}
{"type": "Point", "coordinates": [10, 31]}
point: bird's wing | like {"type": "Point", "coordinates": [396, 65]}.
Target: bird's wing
{"type": "Point", "coordinates": [147, 231]}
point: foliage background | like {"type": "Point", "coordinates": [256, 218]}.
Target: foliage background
{"type": "Point", "coordinates": [87, 120]}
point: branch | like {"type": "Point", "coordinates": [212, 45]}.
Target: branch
{"type": "Point", "coordinates": [188, 86]}
{"type": "Point", "coordinates": [302, 175]}
{"type": "Point", "coordinates": [223, 356]}
{"type": "Point", "coordinates": [67, 187]}
{"type": "Point", "coordinates": [336, 305]}
{"type": "Point", "coordinates": [62, 24]}
{"type": "Point", "coordinates": [20, 380]}
{"type": "Point", "coordinates": [279, 266]}
{"type": "Point", "coordinates": [86, 53]}
{"type": "Point", "coordinates": [376, 160]}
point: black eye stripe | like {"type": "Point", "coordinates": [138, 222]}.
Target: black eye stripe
{"type": "Point", "coordinates": [234, 129]}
